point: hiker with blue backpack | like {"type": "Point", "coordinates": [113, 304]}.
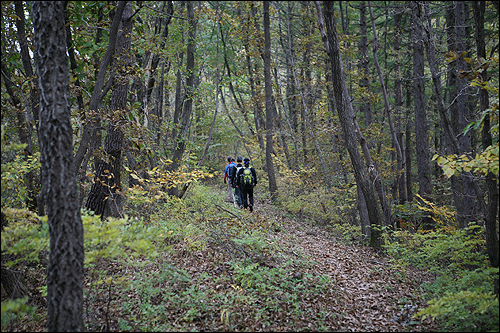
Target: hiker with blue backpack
{"type": "Point", "coordinates": [227, 177]}
{"type": "Point", "coordinates": [246, 180]}
{"type": "Point", "coordinates": [234, 181]}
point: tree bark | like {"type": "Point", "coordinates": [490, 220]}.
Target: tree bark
{"type": "Point", "coordinates": [346, 116]}
{"type": "Point", "coordinates": [66, 256]}
{"type": "Point", "coordinates": [270, 105]}
{"type": "Point", "coordinates": [93, 123]}
{"type": "Point", "coordinates": [365, 71]}
{"type": "Point", "coordinates": [256, 92]}
{"type": "Point", "coordinates": [33, 106]}
{"type": "Point", "coordinates": [181, 138]}
{"type": "Point", "coordinates": [398, 96]}
{"type": "Point", "coordinates": [469, 202]}
{"type": "Point", "coordinates": [104, 197]}
{"type": "Point", "coordinates": [207, 145]}
{"type": "Point", "coordinates": [421, 126]}
{"type": "Point", "coordinates": [487, 140]}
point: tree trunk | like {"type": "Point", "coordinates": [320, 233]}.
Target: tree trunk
{"type": "Point", "coordinates": [93, 122]}
{"type": "Point", "coordinates": [365, 71]}
{"type": "Point", "coordinates": [207, 145]}
{"type": "Point", "coordinates": [181, 138]}
{"type": "Point", "coordinates": [470, 205]}
{"type": "Point", "coordinates": [255, 88]}
{"type": "Point", "coordinates": [104, 197]}
{"type": "Point", "coordinates": [270, 105]}
{"type": "Point", "coordinates": [398, 96]}
{"type": "Point", "coordinates": [346, 116]}
{"type": "Point", "coordinates": [408, 131]}
{"type": "Point", "coordinates": [33, 106]}
{"type": "Point", "coordinates": [66, 256]}
{"type": "Point", "coordinates": [421, 126]}
{"type": "Point", "coordinates": [491, 182]}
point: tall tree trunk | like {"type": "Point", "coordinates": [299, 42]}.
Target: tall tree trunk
{"type": "Point", "coordinates": [93, 123]}
{"type": "Point", "coordinates": [365, 71]}
{"type": "Point", "coordinates": [469, 202]}
{"type": "Point", "coordinates": [398, 93]}
{"type": "Point", "coordinates": [491, 178]}
{"type": "Point", "coordinates": [408, 131]}
{"type": "Point", "coordinates": [452, 93]}
{"type": "Point", "coordinates": [291, 89]}
{"type": "Point", "coordinates": [181, 139]}
{"type": "Point", "coordinates": [210, 131]}
{"type": "Point", "coordinates": [33, 106]}
{"type": "Point", "coordinates": [346, 116]}
{"type": "Point", "coordinates": [270, 105]}
{"type": "Point", "coordinates": [421, 126]}
{"type": "Point", "coordinates": [104, 197]}
{"type": "Point", "coordinates": [66, 256]}
{"type": "Point", "coordinates": [254, 86]}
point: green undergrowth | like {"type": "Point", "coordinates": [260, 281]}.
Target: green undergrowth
{"type": "Point", "coordinates": [191, 264]}
{"type": "Point", "coordinates": [243, 284]}
{"type": "Point", "coordinates": [333, 207]}
{"type": "Point", "coordinates": [462, 295]}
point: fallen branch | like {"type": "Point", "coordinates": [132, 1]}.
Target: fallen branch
{"type": "Point", "coordinates": [239, 217]}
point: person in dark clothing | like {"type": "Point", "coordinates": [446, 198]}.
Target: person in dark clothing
{"type": "Point", "coordinates": [234, 180]}
{"type": "Point", "coordinates": [227, 177]}
{"type": "Point", "coordinates": [246, 180]}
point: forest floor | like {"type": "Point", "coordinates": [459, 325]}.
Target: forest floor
{"type": "Point", "coordinates": [312, 280]}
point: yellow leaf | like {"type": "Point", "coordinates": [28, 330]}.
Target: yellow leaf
{"type": "Point", "coordinates": [108, 279]}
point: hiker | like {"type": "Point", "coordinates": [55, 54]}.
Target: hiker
{"type": "Point", "coordinates": [234, 180]}
{"type": "Point", "coordinates": [227, 177]}
{"type": "Point", "coordinates": [247, 179]}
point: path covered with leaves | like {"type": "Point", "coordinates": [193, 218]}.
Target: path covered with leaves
{"type": "Point", "coordinates": [293, 277]}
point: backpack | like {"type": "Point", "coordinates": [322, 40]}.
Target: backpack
{"type": "Point", "coordinates": [246, 177]}
{"type": "Point", "coordinates": [234, 172]}
{"type": "Point", "coordinates": [230, 171]}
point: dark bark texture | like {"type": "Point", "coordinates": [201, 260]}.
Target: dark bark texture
{"type": "Point", "coordinates": [104, 197]}
{"type": "Point", "coordinates": [65, 270]}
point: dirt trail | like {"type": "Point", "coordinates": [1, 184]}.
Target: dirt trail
{"type": "Point", "coordinates": [373, 297]}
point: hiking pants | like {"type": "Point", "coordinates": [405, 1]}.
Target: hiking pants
{"type": "Point", "coordinates": [237, 197]}
{"type": "Point", "coordinates": [230, 191]}
{"type": "Point", "coordinates": [247, 192]}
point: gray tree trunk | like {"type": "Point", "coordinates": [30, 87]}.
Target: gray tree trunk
{"type": "Point", "coordinates": [66, 256]}
{"type": "Point", "coordinates": [270, 105]}
{"type": "Point", "coordinates": [346, 116]}
{"type": "Point", "coordinates": [421, 126]}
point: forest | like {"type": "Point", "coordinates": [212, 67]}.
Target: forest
{"type": "Point", "coordinates": [372, 127]}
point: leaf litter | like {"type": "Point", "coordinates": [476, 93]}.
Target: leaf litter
{"type": "Point", "coordinates": [365, 293]}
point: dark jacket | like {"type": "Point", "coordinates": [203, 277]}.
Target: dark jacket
{"type": "Point", "coordinates": [233, 174]}
{"type": "Point", "coordinates": [240, 172]}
